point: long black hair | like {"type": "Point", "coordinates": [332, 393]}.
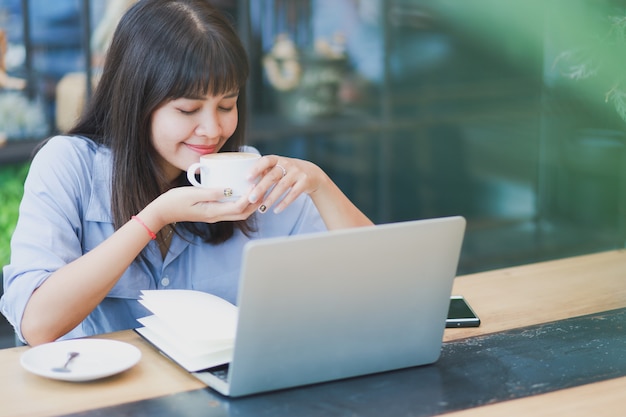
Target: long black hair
{"type": "Point", "coordinates": [161, 50]}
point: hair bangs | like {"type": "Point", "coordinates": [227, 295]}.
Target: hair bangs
{"type": "Point", "coordinates": [210, 67]}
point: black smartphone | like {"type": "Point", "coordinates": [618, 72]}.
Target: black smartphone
{"type": "Point", "coordinates": [460, 314]}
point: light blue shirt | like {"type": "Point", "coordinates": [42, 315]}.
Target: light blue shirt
{"type": "Point", "coordinates": [66, 212]}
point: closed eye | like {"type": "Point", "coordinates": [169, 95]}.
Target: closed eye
{"type": "Point", "coordinates": [188, 112]}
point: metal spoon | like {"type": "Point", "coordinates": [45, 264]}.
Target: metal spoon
{"type": "Point", "coordinates": [64, 368]}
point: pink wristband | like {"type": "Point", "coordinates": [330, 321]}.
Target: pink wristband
{"type": "Point", "coordinates": [150, 232]}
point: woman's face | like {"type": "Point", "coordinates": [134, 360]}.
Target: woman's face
{"type": "Point", "coordinates": [184, 129]}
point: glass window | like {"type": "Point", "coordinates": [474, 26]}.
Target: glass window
{"type": "Point", "coordinates": [506, 112]}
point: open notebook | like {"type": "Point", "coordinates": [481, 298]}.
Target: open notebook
{"type": "Point", "coordinates": [317, 307]}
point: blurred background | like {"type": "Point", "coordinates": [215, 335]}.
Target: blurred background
{"type": "Point", "coordinates": [507, 112]}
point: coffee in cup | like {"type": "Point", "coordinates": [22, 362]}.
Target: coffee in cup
{"type": "Point", "coordinates": [224, 170]}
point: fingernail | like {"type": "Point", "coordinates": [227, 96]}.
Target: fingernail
{"type": "Point", "coordinates": [252, 198]}
{"type": "Point", "coordinates": [262, 208]}
{"type": "Point", "coordinates": [278, 210]}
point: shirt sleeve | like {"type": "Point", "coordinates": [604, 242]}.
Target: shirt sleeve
{"type": "Point", "coordinates": [48, 231]}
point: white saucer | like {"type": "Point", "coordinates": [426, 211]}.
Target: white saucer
{"type": "Point", "coordinates": [98, 358]}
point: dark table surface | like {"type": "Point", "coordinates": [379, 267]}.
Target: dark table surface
{"type": "Point", "coordinates": [471, 372]}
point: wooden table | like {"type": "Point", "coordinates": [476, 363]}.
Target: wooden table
{"type": "Point", "coordinates": [505, 299]}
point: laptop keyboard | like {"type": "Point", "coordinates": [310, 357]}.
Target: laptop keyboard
{"type": "Point", "coordinates": [220, 371]}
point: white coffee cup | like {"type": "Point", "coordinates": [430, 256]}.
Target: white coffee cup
{"type": "Point", "coordinates": [224, 170]}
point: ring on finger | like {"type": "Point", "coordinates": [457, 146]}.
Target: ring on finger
{"type": "Point", "coordinates": [282, 169]}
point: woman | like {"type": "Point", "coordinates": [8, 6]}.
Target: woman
{"type": "Point", "coordinates": [172, 89]}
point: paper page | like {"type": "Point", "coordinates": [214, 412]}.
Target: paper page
{"type": "Point", "coordinates": [191, 364]}
{"type": "Point", "coordinates": [193, 328]}
{"type": "Point", "coordinates": [197, 314]}
{"type": "Point", "coordinates": [186, 343]}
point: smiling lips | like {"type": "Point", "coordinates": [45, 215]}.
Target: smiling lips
{"type": "Point", "coordinates": [202, 149]}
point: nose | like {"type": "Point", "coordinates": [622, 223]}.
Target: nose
{"type": "Point", "coordinates": [209, 125]}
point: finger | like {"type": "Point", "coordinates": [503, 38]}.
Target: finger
{"type": "Point", "coordinates": [261, 168]}
{"type": "Point", "coordinates": [213, 194]}
{"type": "Point", "coordinates": [272, 178]}
{"type": "Point", "coordinates": [283, 170]}
{"type": "Point", "coordinates": [286, 200]}
{"type": "Point", "coordinates": [216, 211]}
{"type": "Point", "coordinates": [285, 192]}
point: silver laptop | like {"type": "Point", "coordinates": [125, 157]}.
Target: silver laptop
{"type": "Point", "coordinates": [326, 306]}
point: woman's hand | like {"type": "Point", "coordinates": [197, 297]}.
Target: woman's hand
{"type": "Point", "coordinates": [195, 204]}
{"type": "Point", "coordinates": [282, 180]}
{"type": "Point", "coordinates": [283, 177]}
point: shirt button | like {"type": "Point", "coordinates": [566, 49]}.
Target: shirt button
{"type": "Point", "coordinates": [165, 281]}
